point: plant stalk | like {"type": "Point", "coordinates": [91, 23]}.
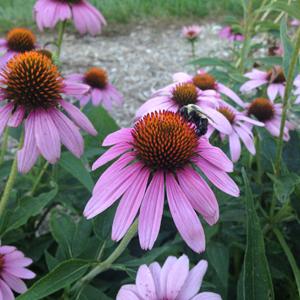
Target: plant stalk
{"type": "Point", "coordinates": [38, 179]}
{"type": "Point", "coordinates": [61, 31]}
{"type": "Point", "coordinates": [4, 145]}
{"type": "Point", "coordinates": [10, 182]}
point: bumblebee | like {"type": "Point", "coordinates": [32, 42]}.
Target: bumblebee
{"type": "Point", "coordinates": [194, 114]}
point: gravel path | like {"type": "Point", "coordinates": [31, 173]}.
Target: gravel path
{"type": "Point", "coordinates": [139, 58]}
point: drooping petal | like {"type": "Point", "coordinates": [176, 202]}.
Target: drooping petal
{"type": "Point", "coordinates": [5, 291]}
{"type": "Point", "coordinates": [214, 155]}
{"type": "Point", "coordinates": [78, 117]}
{"type": "Point", "coordinates": [17, 117]}
{"type": "Point", "coordinates": [193, 282]}
{"type": "Point", "coordinates": [68, 132]}
{"type": "Point", "coordinates": [252, 84]}
{"type": "Point", "coordinates": [230, 94]}
{"type": "Point", "coordinates": [151, 212]}
{"type": "Point", "coordinates": [234, 146]}
{"type": "Point", "coordinates": [46, 136]}
{"type": "Point", "coordinates": [256, 74]}
{"type": "Point", "coordinates": [218, 177]}
{"type": "Point", "coordinates": [199, 194]}
{"type": "Point", "coordinates": [129, 205]}
{"type": "Point", "coordinates": [184, 216]}
{"type": "Point", "coordinates": [5, 113]}
{"type": "Point", "coordinates": [272, 91]}
{"type": "Point", "coordinates": [72, 88]}
{"type": "Point", "coordinates": [246, 138]}
{"type": "Point", "coordinates": [14, 283]}
{"type": "Point", "coordinates": [29, 153]}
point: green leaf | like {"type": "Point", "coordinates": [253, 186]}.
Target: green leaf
{"type": "Point", "coordinates": [91, 293]}
{"type": "Point", "coordinates": [284, 185]}
{"type": "Point", "coordinates": [256, 281]}
{"type": "Point", "coordinates": [292, 9]}
{"type": "Point", "coordinates": [27, 208]}
{"type": "Point", "coordinates": [63, 275]}
{"type": "Point", "coordinates": [213, 62]}
{"type": "Point", "coordinates": [102, 223]}
{"type": "Point", "coordinates": [76, 168]}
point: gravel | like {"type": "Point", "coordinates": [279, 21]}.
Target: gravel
{"type": "Point", "coordinates": [139, 58]}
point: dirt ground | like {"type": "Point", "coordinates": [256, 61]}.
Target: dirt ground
{"type": "Point", "coordinates": [139, 58]}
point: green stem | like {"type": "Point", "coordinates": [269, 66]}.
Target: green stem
{"type": "Point", "coordinates": [287, 92]}
{"type": "Point", "coordinates": [193, 50]}
{"type": "Point", "coordinates": [248, 28]}
{"type": "Point", "coordinates": [4, 146]}
{"type": "Point", "coordinates": [10, 182]}
{"type": "Point", "coordinates": [289, 256]}
{"type": "Point", "coordinates": [61, 31]}
{"type": "Point", "coordinates": [258, 159]}
{"type": "Point", "coordinates": [105, 265]}
{"type": "Point", "coordinates": [38, 179]}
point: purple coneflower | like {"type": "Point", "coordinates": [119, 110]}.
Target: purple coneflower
{"type": "Point", "coordinates": [240, 131]}
{"type": "Point", "coordinates": [86, 18]}
{"type": "Point", "coordinates": [269, 113]}
{"type": "Point", "coordinates": [192, 32]}
{"type": "Point", "coordinates": [172, 281]}
{"type": "Point", "coordinates": [274, 79]}
{"type": "Point", "coordinates": [18, 40]}
{"type": "Point", "coordinates": [174, 96]}
{"type": "Point", "coordinates": [228, 33]}
{"type": "Point", "coordinates": [206, 82]}
{"type": "Point", "coordinates": [101, 91]}
{"type": "Point", "coordinates": [13, 269]}
{"type": "Point", "coordinates": [161, 154]}
{"type": "Point", "coordinates": [31, 88]}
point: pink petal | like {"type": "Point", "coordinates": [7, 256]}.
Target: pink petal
{"type": "Point", "coordinates": [14, 283]}
{"type": "Point", "coordinates": [249, 120]}
{"type": "Point", "coordinates": [165, 270]}
{"type": "Point", "coordinates": [193, 282]}
{"type": "Point", "coordinates": [74, 88]}
{"type": "Point", "coordinates": [78, 117]}
{"type": "Point", "coordinates": [46, 136]}
{"type": "Point", "coordinates": [199, 194]}
{"type": "Point", "coordinates": [5, 291]}
{"type": "Point", "coordinates": [252, 84]}
{"type": "Point", "coordinates": [7, 249]}
{"type": "Point", "coordinates": [218, 177]}
{"type": "Point", "coordinates": [128, 292]}
{"type": "Point", "coordinates": [214, 155]}
{"type": "Point", "coordinates": [184, 216]}
{"type": "Point", "coordinates": [177, 276]}
{"type": "Point", "coordinates": [107, 194]}
{"type": "Point", "coordinates": [181, 77]}
{"type": "Point", "coordinates": [111, 154]}
{"type": "Point", "coordinates": [68, 132]}
{"type": "Point", "coordinates": [20, 272]}
{"type": "Point", "coordinates": [145, 283]}
{"type": "Point", "coordinates": [5, 112]}
{"type": "Point", "coordinates": [256, 74]}
{"type": "Point", "coordinates": [246, 138]}
{"type": "Point", "coordinates": [272, 91]}
{"type": "Point", "coordinates": [230, 94]}
{"type": "Point", "coordinates": [29, 153]}
{"type": "Point", "coordinates": [151, 211]}
{"type": "Point", "coordinates": [234, 146]}
{"type": "Point", "coordinates": [17, 117]}
{"type": "Point", "coordinates": [129, 205]}
{"type": "Point", "coordinates": [122, 135]}
{"type": "Point", "coordinates": [156, 272]}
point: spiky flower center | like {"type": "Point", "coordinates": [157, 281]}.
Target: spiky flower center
{"type": "Point", "coordinates": [164, 140]}
{"type": "Point", "coordinates": [32, 80]}
{"type": "Point", "coordinates": [1, 262]}
{"type": "Point", "coordinates": [262, 109]}
{"type": "Point", "coordinates": [20, 40]}
{"type": "Point", "coordinates": [184, 94]}
{"type": "Point", "coordinates": [276, 75]}
{"type": "Point", "coordinates": [204, 81]}
{"type": "Point", "coordinates": [96, 78]}
{"type": "Point", "coordinates": [228, 113]}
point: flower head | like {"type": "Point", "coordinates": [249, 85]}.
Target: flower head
{"type": "Point", "coordinates": [192, 32]}
{"type": "Point", "coordinates": [31, 88]}
{"type": "Point", "coordinates": [172, 281]}
{"type": "Point", "coordinates": [101, 91]}
{"type": "Point", "coordinates": [13, 269]}
{"type": "Point", "coordinates": [274, 79]}
{"type": "Point", "coordinates": [161, 153]}
{"type": "Point", "coordinates": [229, 34]}
{"type": "Point", "coordinates": [86, 18]}
{"type": "Point", "coordinates": [265, 111]}
{"type": "Point", "coordinates": [18, 40]}
{"type": "Point", "coordinates": [174, 96]}
{"type": "Point", "coordinates": [241, 130]}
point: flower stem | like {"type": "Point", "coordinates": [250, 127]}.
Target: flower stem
{"type": "Point", "coordinates": [105, 265]}
{"type": "Point", "coordinates": [4, 145]}
{"type": "Point", "coordinates": [258, 158]}
{"type": "Point", "coordinates": [287, 92]}
{"type": "Point", "coordinates": [61, 31]}
{"type": "Point", "coordinates": [39, 178]}
{"type": "Point", "coordinates": [10, 182]}
{"type": "Point", "coordinates": [289, 256]}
